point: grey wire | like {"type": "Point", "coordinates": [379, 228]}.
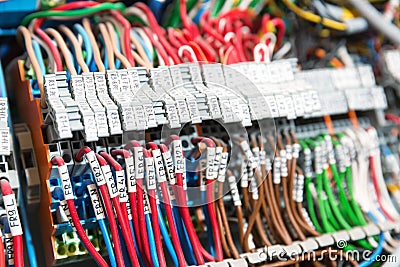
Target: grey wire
{"type": "Point", "coordinates": [376, 20]}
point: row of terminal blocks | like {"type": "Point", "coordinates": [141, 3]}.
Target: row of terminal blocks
{"type": "Point", "coordinates": [134, 99]}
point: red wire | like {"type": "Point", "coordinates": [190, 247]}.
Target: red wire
{"type": "Point", "coordinates": [159, 32]}
{"type": "Point", "coordinates": [171, 224]}
{"type": "Point", "coordinates": [239, 41]}
{"type": "Point", "coordinates": [2, 255]}
{"type": "Point", "coordinates": [127, 35]}
{"type": "Point", "coordinates": [77, 223]}
{"type": "Point", "coordinates": [280, 24]}
{"type": "Point", "coordinates": [207, 49]}
{"type": "Point", "coordinates": [154, 220]}
{"type": "Point", "coordinates": [140, 211]}
{"type": "Point", "coordinates": [393, 118]}
{"type": "Point", "coordinates": [142, 221]}
{"type": "Point", "coordinates": [132, 200]}
{"type": "Point", "coordinates": [18, 245]}
{"type": "Point", "coordinates": [187, 220]}
{"type": "Point", "coordinates": [103, 159]}
{"type": "Point", "coordinates": [210, 204]}
{"type": "Point", "coordinates": [109, 210]}
{"type": "Point", "coordinates": [187, 23]}
{"type": "Point", "coordinates": [168, 211]}
{"type": "Point", "coordinates": [172, 38]}
{"type": "Point", "coordinates": [376, 186]}
{"type": "Point", "coordinates": [206, 27]}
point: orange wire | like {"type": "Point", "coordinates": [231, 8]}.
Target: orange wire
{"type": "Point", "coordinates": [353, 118]}
{"type": "Point", "coordinates": [329, 124]}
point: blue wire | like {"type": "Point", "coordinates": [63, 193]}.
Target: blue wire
{"type": "Point", "coordinates": [150, 234]}
{"type": "Point", "coordinates": [105, 53]}
{"type": "Point", "coordinates": [376, 253]}
{"type": "Point", "coordinates": [124, 249]}
{"type": "Point", "coordinates": [143, 44]}
{"type": "Point", "coordinates": [86, 41]}
{"type": "Point", "coordinates": [117, 62]}
{"type": "Point", "coordinates": [156, 7]}
{"type": "Point", "coordinates": [39, 56]}
{"type": "Point", "coordinates": [184, 238]}
{"type": "Point", "coordinates": [167, 240]}
{"type": "Point", "coordinates": [141, 261]}
{"type": "Point", "coordinates": [108, 242]}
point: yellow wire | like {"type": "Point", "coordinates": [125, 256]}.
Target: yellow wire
{"type": "Point", "coordinates": [340, 26]}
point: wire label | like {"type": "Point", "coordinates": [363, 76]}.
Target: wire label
{"type": "Point", "coordinates": [234, 191]}
{"type": "Point", "coordinates": [158, 162]}
{"type": "Point", "coordinates": [9, 246]}
{"type": "Point", "coordinates": [210, 160]}
{"type": "Point", "coordinates": [121, 186]}
{"type": "Point", "coordinates": [95, 166]}
{"type": "Point", "coordinates": [12, 214]}
{"type": "Point", "coordinates": [96, 202]}
{"type": "Point", "coordinates": [66, 182]}
{"type": "Point", "coordinates": [169, 165]}
{"type": "Point", "coordinates": [150, 174]}
{"type": "Point", "coordinates": [222, 166]}
{"type": "Point", "coordinates": [139, 165]}
{"type": "Point", "coordinates": [178, 156]}
{"type": "Point", "coordinates": [64, 206]}
{"type": "Point", "coordinates": [130, 173]}
{"type": "Point", "coordinates": [112, 187]}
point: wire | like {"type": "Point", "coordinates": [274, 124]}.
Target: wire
{"type": "Point", "coordinates": [93, 43]}
{"type": "Point", "coordinates": [150, 175]}
{"type": "Point", "coordinates": [59, 161]}
{"type": "Point", "coordinates": [183, 204]}
{"type": "Point", "coordinates": [210, 200]}
{"type": "Point", "coordinates": [64, 49]}
{"type": "Point", "coordinates": [107, 241]}
{"type": "Point", "coordinates": [127, 33]}
{"type": "Point", "coordinates": [138, 154]}
{"type": "Point", "coordinates": [2, 255]}
{"type": "Point", "coordinates": [97, 172]}
{"type": "Point", "coordinates": [62, 10]}
{"type": "Point", "coordinates": [117, 53]}
{"type": "Point", "coordinates": [6, 190]}
{"type": "Point", "coordinates": [39, 56]}
{"type": "Point", "coordinates": [167, 240]}
{"type": "Point", "coordinates": [120, 209]}
{"type": "Point", "coordinates": [340, 26]}
{"type": "Point", "coordinates": [376, 253]}
{"type": "Point", "coordinates": [162, 178]}
{"type": "Point", "coordinates": [77, 47]}
{"type": "Point", "coordinates": [146, 49]}
{"type": "Point", "coordinates": [152, 244]}
{"type": "Point", "coordinates": [86, 41]}
{"type": "Point", "coordinates": [35, 64]}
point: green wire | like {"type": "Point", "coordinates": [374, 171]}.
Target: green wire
{"type": "Point", "coordinates": [73, 13]}
{"type": "Point", "coordinates": [345, 204]}
{"type": "Point", "coordinates": [218, 6]}
{"type": "Point", "coordinates": [309, 197]}
{"type": "Point", "coordinates": [175, 18]}
{"type": "Point", "coordinates": [322, 209]}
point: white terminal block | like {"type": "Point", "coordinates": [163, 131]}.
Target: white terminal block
{"type": "Point", "coordinates": [56, 107]}
{"type": "Point", "coordinates": [114, 123]}
{"type": "Point", "coordinates": [95, 104]}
